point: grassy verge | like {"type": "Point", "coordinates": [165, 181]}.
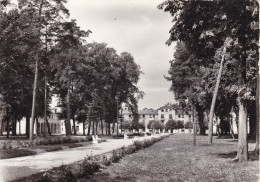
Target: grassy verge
{"type": "Point", "coordinates": [83, 170]}
{"type": "Point", "coordinates": [6, 154]}
{"type": "Point", "coordinates": [20, 152]}
{"type": "Point", "coordinates": [176, 159]}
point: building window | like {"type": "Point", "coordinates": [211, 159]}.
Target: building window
{"type": "Point", "coordinates": [130, 115]}
{"type": "Point", "coordinates": [166, 110]}
{"type": "Point", "coordinates": [189, 116]}
{"type": "Point", "coordinates": [182, 116]}
{"type": "Point", "coordinates": [170, 116]}
{"type": "Point", "coordinates": [150, 116]}
{"type": "Point", "coordinates": [77, 128]}
{"type": "Point", "coordinates": [143, 116]}
{"type": "Point", "coordinates": [179, 116]}
{"type": "Point", "coordinates": [154, 116]}
{"type": "Point", "coordinates": [162, 115]}
{"type": "Point", "coordinates": [162, 110]}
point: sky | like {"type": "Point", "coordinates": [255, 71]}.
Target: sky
{"type": "Point", "coordinates": [137, 27]}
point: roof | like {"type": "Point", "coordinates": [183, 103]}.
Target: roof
{"type": "Point", "coordinates": [148, 111]}
{"type": "Point", "coordinates": [144, 111]}
{"type": "Point", "coordinates": [169, 106]}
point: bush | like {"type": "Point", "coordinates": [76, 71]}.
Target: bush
{"type": "Point", "coordinates": [66, 174]}
{"type": "Point", "coordinates": [116, 156]}
{"type": "Point", "coordinates": [138, 144]}
{"type": "Point", "coordinates": [87, 167]}
{"type": "Point", "coordinates": [106, 161]}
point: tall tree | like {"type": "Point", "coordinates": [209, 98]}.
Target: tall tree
{"type": "Point", "coordinates": [205, 26]}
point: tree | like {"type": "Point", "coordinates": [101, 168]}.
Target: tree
{"type": "Point", "coordinates": [207, 29]}
{"type": "Point", "coordinates": [171, 125]}
{"type": "Point", "coordinates": [155, 124]}
{"type": "Point", "coordinates": [188, 125]}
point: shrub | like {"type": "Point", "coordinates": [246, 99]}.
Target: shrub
{"type": "Point", "coordinates": [66, 174]}
{"type": "Point", "coordinates": [115, 156]}
{"type": "Point", "coordinates": [87, 167]}
{"type": "Point", "coordinates": [138, 144]}
{"type": "Point", "coordinates": [106, 161]}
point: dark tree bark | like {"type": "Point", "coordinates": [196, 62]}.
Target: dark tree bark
{"type": "Point", "coordinates": [96, 127]}
{"type": "Point", "coordinates": [257, 108]}
{"type": "Point", "coordinates": [68, 125]}
{"type": "Point", "coordinates": [37, 127]}
{"type": "Point", "coordinates": [7, 122]}
{"type": "Point", "coordinates": [84, 127]}
{"type": "Point", "coordinates": [27, 126]}
{"type": "Point", "coordinates": [109, 128]}
{"type": "Point", "coordinates": [14, 125]}
{"type": "Point", "coordinates": [102, 127]}
{"type": "Point", "coordinates": [89, 126]}
{"type": "Point", "coordinates": [74, 124]}
{"type": "Point", "coordinates": [201, 121]}
{"type": "Point", "coordinates": [48, 127]}
{"type": "Point", "coordinates": [113, 128]}
{"type": "Point", "coordinates": [93, 128]}
{"type": "Point", "coordinates": [252, 121]}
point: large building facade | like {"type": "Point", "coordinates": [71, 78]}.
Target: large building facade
{"type": "Point", "coordinates": [163, 114]}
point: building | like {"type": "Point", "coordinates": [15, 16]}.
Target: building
{"type": "Point", "coordinates": [164, 114]}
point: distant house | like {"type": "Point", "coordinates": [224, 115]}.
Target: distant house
{"type": "Point", "coordinates": [144, 115]}
{"type": "Point", "coordinates": [164, 114]}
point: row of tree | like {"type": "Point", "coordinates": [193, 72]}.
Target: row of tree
{"type": "Point", "coordinates": [43, 53]}
{"type": "Point", "coordinates": [215, 67]}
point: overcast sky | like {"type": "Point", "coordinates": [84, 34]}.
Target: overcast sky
{"type": "Point", "coordinates": [137, 27]}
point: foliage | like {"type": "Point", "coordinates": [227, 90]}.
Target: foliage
{"type": "Point", "coordinates": [156, 124]}
{"type": "Point", "coordinates": [201, 28]}
{"type": "Point", "coordinates": [87, 167]}
{"type": "Point", "coordinates": [171, 124]}
{"type": "Point", "coordinates": [180, 124]}
{"type": "Point", "coordinates": [188, 125]}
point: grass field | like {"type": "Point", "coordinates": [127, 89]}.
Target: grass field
{"type": "Point", "coordinates": [176, 159]}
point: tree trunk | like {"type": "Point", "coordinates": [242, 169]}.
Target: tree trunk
{"type": "Point", "coordinates": [242, 138]}
{"type": "Point", "coordinates": [102, 127]}
{"type": "Point", "coordinates": [68, 128]}
{"type": "Point", "coordinates": [84, 127]}
{"type": "Point", "coordinates": [74, 124]}
{"type": "Point", "coordinates": [201, 121]}
{"type": "Point", "coordinates": [1, 122]}
{"type": "Point", "coordinates": [7, 123]}
{"type": "Point", "coordinates": [211, 114]}
{"type": "Point", "coordinates": [35, 84]}
{"type": "Point", "coordinates": [14, 125]}
{"type": "Point", "coordinates": [37, 127]}
{"type": "Point", "coordinates": [106, 129]}
{"type": "Point", "coordinates": [194, 127]}
{"type": "Point", "coordinates": [93, 128]}
{"type": "Point", "coordinates": [96, 127]}
{"type": "Point", "coordinates": [45, 107]}
{"type": "Point", "coordinates": [113, 127]}
{"type": "Point", "coordinates": [89, 126]}
{"type": "Point", "coordinates": [252, 121]}
{"type": "Point", "coordinates": [27, 126]}
{"type": "Point", "coordinates": [34, 99]}
{"type": "Point", "coordinates": [19, 127]}
{"type": "Point", "coordinates": [257, 108]}
{"type": "Point", "coordinates": [109, 128]}
{"type": "Point", "coordinates": [48, 127]}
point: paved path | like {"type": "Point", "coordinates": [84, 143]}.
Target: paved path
{"type": "Point", "coordinates": [15, 168]}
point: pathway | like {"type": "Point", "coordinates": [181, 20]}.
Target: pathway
{"type": "Point", "coordinates": [15, 168]}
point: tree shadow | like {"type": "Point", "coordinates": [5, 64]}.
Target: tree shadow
{"type": "Point", "coordinates": [252, 156]}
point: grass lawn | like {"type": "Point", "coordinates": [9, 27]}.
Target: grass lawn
{"type": "Point", "coordinates": [176, 159]}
